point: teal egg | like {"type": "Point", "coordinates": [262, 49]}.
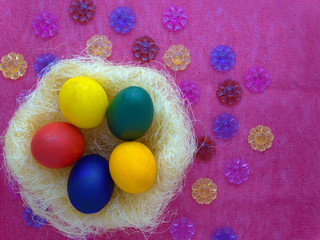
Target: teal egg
{"type": "Point", "coordinates": [130, 113]}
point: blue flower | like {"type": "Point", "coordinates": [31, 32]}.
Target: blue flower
{"type": "Point", "coordinates": [222, 58]}
{"type": "Point", "coordinates": [224, 233]}
{"type": "Point", "coordinates": [44, 60]}
{"type": "Point", "coordinates": [33, 220]}
{"type": "Point", "coordinates": [122, 19]}
{"type": "Point", "coordinates": [225, 125]}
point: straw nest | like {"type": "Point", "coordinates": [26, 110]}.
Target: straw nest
{"type": "Point", "coordinates": [170, 138]}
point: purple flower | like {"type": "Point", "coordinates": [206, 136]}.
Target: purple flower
{"type": "Point", "coordinates": [257, 78]}
{"type": "Point", "coordinates": [237, 171]}
{"type": "Point", "coordinates": [190, 90]}
{"type": "Point", "coordinates": [42, 63]}
{"type": "Point", "coordinates": [225, 125]}
{"type": "Point", "coordinates": [33, 220]}
{"type": "Point", "coordinates": [224, 233]}
{"type": "Point", "coordinates": [175, 18]}
{"type": "Point", "coordinates": [122, 19]}
{"type": "Point", "coordinates": [182, 229]}
{"type": "Point", "coordinates": [45, 25]}
{"type": "Point", "coordinates": [222, 58]}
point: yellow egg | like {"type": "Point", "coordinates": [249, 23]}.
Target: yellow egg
{"type": "Point", "coordinates": [132, 167]}
{"type": "Point", "coordinates": [83, 102]}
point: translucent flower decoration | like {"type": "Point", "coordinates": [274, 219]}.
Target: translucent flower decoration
{"type": "Point", "coordinates": [204, 191]}
{"type": "Point", "coordinates": [206, 148]}
{"type": "Point", "coordinates": [224, 233]}
{"type": "Point", "coordinates": [33, 220]}
{"type": "Point", "coordinates": [182, 229]}
{"type": "Point", "coordinates": [190, 90]}
{"type": "Point", "coordinates": [222, 58]}
{"type": "Point", "coordinates": [144, 49]}
{"type": "Point", "coordinates": [257, 78]}
{"type": "Point", "coordinates": [177, 57]}
{"type": "Point", "coordinates": [13, 66]}
{"type": "Point", "coordinates": [122, 19]}
{"type": "Point", "coordinates": [42, 63]}
{"type": "Point", "coordinates": [225, 125]}
{"type": "Point", "coordinates": [45, 25]}
{"type": "Point", "coordinates": [82, 11]}
{"type": "Point", "coordinates": [237, 171]}
{"type": "Point", "coordinates": [260, 138]}
{"type": "Point", "coordinates": [175, 18]}
{"type": "Point", "coordinates": [99, 46]}
{"type": "Point", "coordinates": [229, 92]}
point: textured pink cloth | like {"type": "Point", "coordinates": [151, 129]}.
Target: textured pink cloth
{"type": "Point", "coordinates": [281, 199]}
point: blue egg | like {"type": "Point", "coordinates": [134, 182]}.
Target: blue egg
{"type": "Point", "coordinates": [90, 185]}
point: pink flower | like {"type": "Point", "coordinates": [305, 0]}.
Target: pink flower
{"type": "Point", "coordinates": [257, 79]}
{"type": "Point", "coordinates": [45, 25]}
{"type": "Point", "coordinates": [175, 18]}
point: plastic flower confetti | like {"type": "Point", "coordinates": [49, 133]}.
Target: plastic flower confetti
{"type": "Point", "coordinates": [145, 49]}
{"type": "Point", "coordinates": [222, 58]}
{"type": "Point", "coordinates": [225, 125]}
{"type": "Point", "coordinates": [237, 171]}
{"type": "Point", "coordinates": [257, 79]}
{"type": "Point", "coordinates": [175, 18]}
{"type": "Point", "coordinates": [45, 25]}
{"type": "Point", "coordinates": [182, 229]}
{"type": "Point", "coordinates": [177, 57]}
{"type": "Point", "coordinates": [224, 233]}
{"type": "Point", "coordinates": [122, 19]}
{"type": "Point", "coordinates": [190, 90]}
{"type": "Point", "coordinates": [206, 148]}
{"type": "Point", "coordinates": [229, 92]}
{"type": "Point", "coordinates": [33, 220]}
{"type": "Point", "coordinates": [13, 66]}
{"type": "Point", "coordinates": [22, 97]}
{"type": "Point", "coordinates": [99, 46]}
{"type": "Point", "coordinates": [42, 63]}
{"type": "Point", "coordinates": [82, 10]}
{"type": "Point", "coordinates": [204, 191]}
{"type": "Point", "coordinates": [260, 138]}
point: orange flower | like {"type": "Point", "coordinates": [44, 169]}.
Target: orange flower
{"type": "Point", "coordinates": [204, 191]}
{"type": "Point", "coordinates": [13, 65]}
{"type": "Point", "coordinates": [260, 138]}
{"type": "Point", "coordinates": [99, 46]}
{"type": "Point", "coordinates": [177, 57]}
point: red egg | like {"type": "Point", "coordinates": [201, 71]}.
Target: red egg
{"type": "Point", "coordinates": [57, 145]}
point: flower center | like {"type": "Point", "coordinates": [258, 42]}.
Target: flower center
{"type": "Point", "coordinates": [145, 47]}
{"type": "Point", "coordinates": [83, 8]}
{"type": "Point", "coordinates": [177, 58]}
{"type": "Point", "coordinates": [13, 66]}
{"type": "Point", "coordinates": [260, 138]}
{"type": "Point", "coordinates": [204, 191]}
{"type": "Point", "coordinates": [230, 90]}
{"type": "Point", "coordinates": [225, 125]}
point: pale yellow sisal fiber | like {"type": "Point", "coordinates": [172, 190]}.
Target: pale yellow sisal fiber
{"type": "Point", "coordinates": [171, 139]}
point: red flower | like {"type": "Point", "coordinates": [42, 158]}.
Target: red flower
{"type": "Point", "coordinates": [82, 10]}
{"type": "Point", "coordinates": [145, 49]}
{"type": "Point", "coordinates": [229, 92]}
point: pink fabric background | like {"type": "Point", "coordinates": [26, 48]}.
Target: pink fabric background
{"type": "Point", "coordinates": [282, 196]}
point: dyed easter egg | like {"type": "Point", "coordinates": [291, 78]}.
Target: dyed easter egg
{"type": "Point", "coordinates": [57, 145]}
{"type": "Point", "coordinates": [132, 167]}
{"type": "Point", "coordinates": [90, 185]}
{"type": "Point", "coordinates": [130, 113]}
{"type": "Point", "coordinates": [83, 102]}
